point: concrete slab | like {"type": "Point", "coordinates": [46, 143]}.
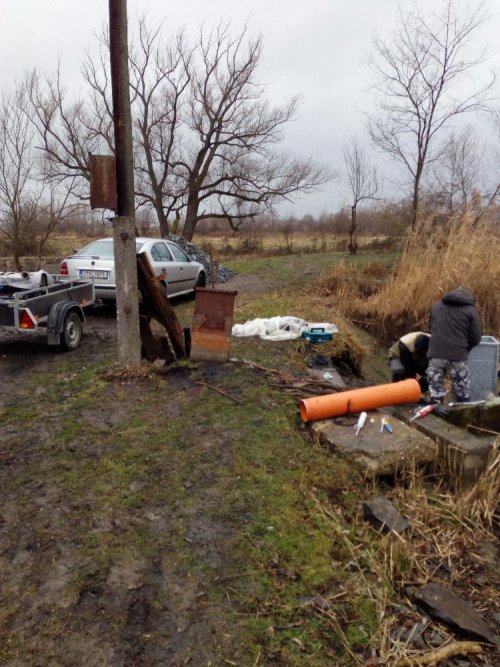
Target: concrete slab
{"type": "Point", "coordinates": [376, 452]}
{"type": "Point", "coordinates": [486, 416]}
{"type": "Point", "coordinates": [462, 456]}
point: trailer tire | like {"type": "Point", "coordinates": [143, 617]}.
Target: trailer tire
{"type": "Point", "coordinates": [71, 334]}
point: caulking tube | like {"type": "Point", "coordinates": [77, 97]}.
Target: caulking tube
{"type": "Point", "coordinates": [361, 422]}
{"type": "Point", "coordinates": [422, 412]}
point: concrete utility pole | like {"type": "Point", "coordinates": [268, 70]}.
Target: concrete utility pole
{"type": "Point", "coordinates": [127, 302]}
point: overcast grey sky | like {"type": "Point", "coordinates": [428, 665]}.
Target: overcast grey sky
{"type": "Point", "coordinates": [317, 48]}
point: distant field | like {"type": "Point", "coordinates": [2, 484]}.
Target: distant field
{"type": "Point", "coordinates": [224, 247]}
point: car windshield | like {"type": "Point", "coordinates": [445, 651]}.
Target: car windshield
{"type": "Point", "coordinates": [103, 248]}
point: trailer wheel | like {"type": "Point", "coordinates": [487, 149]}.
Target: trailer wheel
{"type": "Point", "coordinates": [71, 334]}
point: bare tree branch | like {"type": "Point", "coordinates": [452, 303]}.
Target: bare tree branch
{"type": "Point", "coordinates": [419, 71]}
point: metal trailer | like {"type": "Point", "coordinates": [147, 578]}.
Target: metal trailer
{"type": "Point", "coordinates": [57, 308]}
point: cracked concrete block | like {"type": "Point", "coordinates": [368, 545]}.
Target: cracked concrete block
{"type": "Point", "coordinates": [375, 451]}
{"type": "Point", "coordinates": [462, 456]}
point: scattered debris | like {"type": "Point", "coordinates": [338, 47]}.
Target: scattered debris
{"type": "Point", "coordinates": [444, 604]}
{"type": "Point", "coordinates": [319, 361]}
{"type": "Point", "coordinates": [382, 514]}
{"type": "Point", "coordinates": [219, 391]}
{"type": "Point", "coordinates": [281, 327]}
{"type": "Point", "coordinates": [421, 412]}
{"type": "Point", "coordinates": [293, 384]}
{"type": "Point", "coordinates": [331, 376]}
{"type": "Point", "coordinates": [317, 601]}
{"type": "Point", "coordinates": [385, 426]}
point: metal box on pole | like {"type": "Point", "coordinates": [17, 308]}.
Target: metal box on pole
{"type": "Point", "coordinates": [103, 182]}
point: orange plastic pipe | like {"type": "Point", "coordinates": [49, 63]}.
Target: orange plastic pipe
{"type": "Point", "coordinates": [356, 400]}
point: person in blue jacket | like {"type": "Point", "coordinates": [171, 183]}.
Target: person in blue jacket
{"type": "Point", "coordinates": [455, 329]}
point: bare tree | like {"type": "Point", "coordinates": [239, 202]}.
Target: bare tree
{"type": "Point", "coordinates": [234, 171]}
{"type": "Point", "coordinates": [364, 183]}
{"type": "Point", "coordinates": [68, 130]}
{"type": "Point", "coordinates": [53, 210]}
{"type": "Point", "coordinates": [159, 76]}
{"type": "Point", "coordinates": [206, 139]}
{"type": "Point", "coordinates": [461, 164]}
{"type": "Point", "coordinates": [419, 71]}
{"type": "Point", "coordinates": [18, 192]}
{"type": "Point", "coordinates": [31, 208]}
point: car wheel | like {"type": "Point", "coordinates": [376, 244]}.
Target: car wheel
{"type": "Point", "coordinates": [202, 280]}
{"type": "Point", "coordinates": [72, 332]}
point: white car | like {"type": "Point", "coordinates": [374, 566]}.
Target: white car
{"type": "Point", "coordinates": [97, 261]}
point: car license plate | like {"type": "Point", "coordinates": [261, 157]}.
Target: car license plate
{"type": "Point", "coordinates": [93, 273]}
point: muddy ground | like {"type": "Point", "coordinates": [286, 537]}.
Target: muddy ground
{"type": "Point", "coordinates": [102, 619]}
{"type": "Point", "coordinates": [125, 555]}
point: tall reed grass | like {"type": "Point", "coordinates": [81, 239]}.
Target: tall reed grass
{"type": "Point", "coordinates": [464, 252]}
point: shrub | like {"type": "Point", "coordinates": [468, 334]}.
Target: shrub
{"type": "Point", "coordinates": [435, 260]}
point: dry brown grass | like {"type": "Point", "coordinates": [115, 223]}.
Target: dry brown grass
{"type": "Point", "coordinates": [435, 260]}
{"type": "Point", "coordinates": [445, 544]}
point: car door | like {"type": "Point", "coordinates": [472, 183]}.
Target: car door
{"type": "Point", "coordinates": [187, 270]}
{"type": "Point", "coordinates": [177, 277]}
{"type": "Point", "coordinates": [162, 262]}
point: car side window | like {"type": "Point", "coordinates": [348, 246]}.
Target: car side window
{"type": "Point", "coordinates": [179, 255]}
{"type": "Point", "coordinates": [160, 253]}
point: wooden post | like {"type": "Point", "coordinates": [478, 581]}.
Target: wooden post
{"type": "Point", "coordinates": [127, 294]}
{"type": "Point", "coordinates": [127, 307]}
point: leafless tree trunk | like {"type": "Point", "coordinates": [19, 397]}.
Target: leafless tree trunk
{"type": "Point", "coordinates": [419, 70]}
{"type": "Point", "coordinates": [158, 101]}
{"type": "Point", "coordinates": [364, 183]}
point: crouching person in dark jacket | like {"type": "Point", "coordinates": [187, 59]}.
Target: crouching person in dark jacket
{"type": "Point", "coordinates": [455, 330]}
{"type": "Point", "coordinates": [408, 358]}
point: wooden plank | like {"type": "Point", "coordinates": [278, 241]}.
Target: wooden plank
{"type": "Point", "coordinates": [155, 303]}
